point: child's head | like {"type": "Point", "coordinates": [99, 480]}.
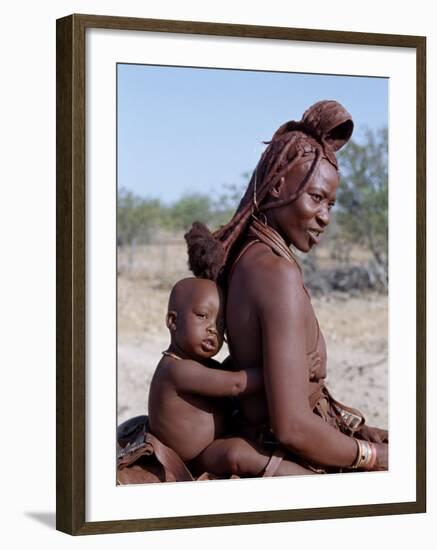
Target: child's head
{"type": "Point", "coordinates": [195, 318]}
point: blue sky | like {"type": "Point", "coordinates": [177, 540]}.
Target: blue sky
{"type": "Point", "coordinates": [187, 130]}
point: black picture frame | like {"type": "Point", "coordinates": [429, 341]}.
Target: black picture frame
{"type": "Point", "coordinates": [71, 273]}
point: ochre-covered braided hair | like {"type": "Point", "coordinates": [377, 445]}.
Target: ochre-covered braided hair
{"type": "Point", "coordinates": [324, 129]}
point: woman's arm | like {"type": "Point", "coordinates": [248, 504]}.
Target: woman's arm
{"type": "Point", "coordinates": [282, 313]}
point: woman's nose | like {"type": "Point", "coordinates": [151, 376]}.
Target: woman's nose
{"type": "Point", "coordinates": [323, 215]}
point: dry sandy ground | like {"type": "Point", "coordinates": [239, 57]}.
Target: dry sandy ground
{"type": "Point", "coordinates": [355, 329]}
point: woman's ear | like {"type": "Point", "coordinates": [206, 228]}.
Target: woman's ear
{"type": "Point", "coordinates": [170, 320]}
{"type": "Point", "coordinates": [275, 191]}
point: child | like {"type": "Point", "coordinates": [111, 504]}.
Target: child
{"type": "Point", "coordinates": [186, 408]}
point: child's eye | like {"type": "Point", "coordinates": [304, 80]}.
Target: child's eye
{"type": "Point", "coordinates": [202, 315]}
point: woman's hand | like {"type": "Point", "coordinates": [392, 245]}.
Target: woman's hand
{"type": "Point", "coordinates": [381, 457]}
{"type": "Point", "coordinates": [315, 366]}
{"type": "Point", "coordinates": [381, 461]}
{"type": "Point", "coordinates": [372, 434]}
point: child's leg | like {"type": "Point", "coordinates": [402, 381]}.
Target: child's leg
{"type": "Point", "coordinates": [235, 455]}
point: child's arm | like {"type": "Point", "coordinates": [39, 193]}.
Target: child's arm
{"type": "Point", "coordinates": [192, 377]}
{"type": "Point", "coordinates": [255, 379]}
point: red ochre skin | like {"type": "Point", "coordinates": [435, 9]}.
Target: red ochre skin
{"type": "Point", "coordinates": [272, 327]}
{"type": "Point", "coordinates": [186, 393]}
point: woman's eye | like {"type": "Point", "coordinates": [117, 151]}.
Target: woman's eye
{"type": "Point", "coordinates": [316, 197]}
{"type": "Point", "coordinates": [331, 205]}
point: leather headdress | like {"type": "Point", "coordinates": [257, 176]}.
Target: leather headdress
{"type": "Point", "coordinates": [324, 128]}
{"type": "Point", "coordinates": [327, 122]}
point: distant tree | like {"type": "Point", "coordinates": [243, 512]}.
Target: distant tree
{"type": "Point", "coordinates": [362, 196]}
{"type": "Point", "coordinates": [226, 201]}
{"type": "Point", "coordinates": [191, 207]}
{"type": "Point", "coordinates": [137, 220]}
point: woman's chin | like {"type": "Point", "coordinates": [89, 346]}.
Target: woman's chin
{"type": "Point", "coordinates": [303, 247]}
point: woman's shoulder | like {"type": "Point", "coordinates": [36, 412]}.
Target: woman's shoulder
{"type": "Point", "coordinates": [261, 262]}
{"type": "Point", "coordinates": [263, 273]}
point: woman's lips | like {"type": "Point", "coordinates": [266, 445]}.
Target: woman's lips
{"type": "Point", "coordinates": [314, 235]}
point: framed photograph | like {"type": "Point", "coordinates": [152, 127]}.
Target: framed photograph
{"type": "Point", "coordinates": [161, 123]}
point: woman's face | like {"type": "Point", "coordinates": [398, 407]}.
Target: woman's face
{"type": "Point", "coordinates": [303, 221]}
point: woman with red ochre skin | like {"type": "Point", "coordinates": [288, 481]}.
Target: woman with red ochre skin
{"type": "Point", "coordinates": [270, 321]}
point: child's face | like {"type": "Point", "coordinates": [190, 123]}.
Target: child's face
{"type": "Point", "coordinates": [199, 323]}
